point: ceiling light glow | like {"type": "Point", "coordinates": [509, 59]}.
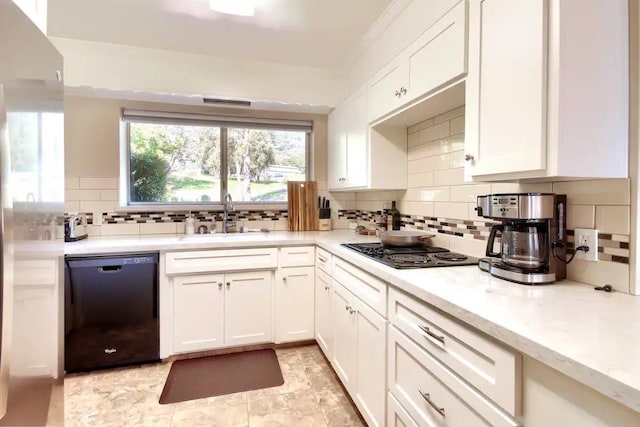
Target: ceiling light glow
{"type": "Point", "coordinates": [233, 7]}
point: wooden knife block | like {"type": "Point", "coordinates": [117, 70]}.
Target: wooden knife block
{"type": "Point", "coordinates": [303, 205]}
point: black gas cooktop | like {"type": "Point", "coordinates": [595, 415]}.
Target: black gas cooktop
{"type": "Point", "coordinates": [412, 256]}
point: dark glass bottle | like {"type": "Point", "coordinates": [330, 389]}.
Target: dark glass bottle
{"type": "Point", "coordinates": [395, 214]}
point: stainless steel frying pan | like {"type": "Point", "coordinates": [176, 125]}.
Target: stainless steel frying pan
{"type": "Point", "coordinates": [404, 238]}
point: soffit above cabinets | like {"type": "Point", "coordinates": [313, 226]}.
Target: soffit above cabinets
{"type": "Point", "coordinates": [299, 32]}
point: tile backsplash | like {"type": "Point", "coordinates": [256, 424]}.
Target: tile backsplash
{"type": "Point", "coordinates": [97, 200]}
{"type": "Point", "coordinates": [438, 198]}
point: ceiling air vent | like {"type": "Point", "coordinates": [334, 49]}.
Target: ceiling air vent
{"type": "Point", "coordinates": [226, 102]}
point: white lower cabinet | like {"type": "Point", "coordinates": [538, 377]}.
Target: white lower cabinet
{"type": "Point", "coordinates": [323, 317]}
{"type": "Point", "coordinates": [211, 311]}
{"type": "Point", "coordinates": [198, 312]}
{"type": "Point", "coordinates": [248, 310]}
{"type": "Point", "coordinates": [493, 369]}
{"type": "Point", "coordinates": [432, 394]}
{"type": "Point", "coordinates": [32, 353]}
{"type": "Point", "coordinates": [294, 304]}
{"type": "Point", "coordinates": [358, 340]}
{"type": "Point", "coordinates": [344, 335]}
{"type": "Point", "coordinates": [371, 336]}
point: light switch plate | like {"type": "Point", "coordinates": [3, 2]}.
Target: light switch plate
{"type": "Point", "coordinates": [586, 237]}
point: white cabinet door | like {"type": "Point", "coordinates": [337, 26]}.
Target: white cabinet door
{"type": "Point", "coordinates": [198, 312]}
{"type": "Point", "coordinates": [388, 88]}
{"type": "Point", "coordinates": [440, 54]}
{"type": "Point", "coordinates": [506, 87]}
{"type": "Point", "coordinates": [357, 140]}
{"type": "Point", "coordinates": [248, 308]}
{"type": "Point", "coordinates": [337, 148]}
{"type": "Point", "coordinates": [344, 335]}
{"type": "Point", "coordinates": [323, 323]}
{"type": "Point", "coordinates": [32, 352]}
{"type": "Point", "coordinates": [371, 389]}
{"type": "Point", "coordinates": [294, 304]}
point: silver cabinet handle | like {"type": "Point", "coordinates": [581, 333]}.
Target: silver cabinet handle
{"type": "Point", "coordinates": [429, 332]}
{"type": "Point", "coordinates": [228, 284]}
{"type": "Point", "coordinates": [219, 285]}
{"type": "Point", "coordinates": [468, 157]}
{"type": "Point", "coordinates": [397, 93]}
{"type": "Point", "coordinates": [351, 311]}
{"type": "Point", "coordinates": [322, 259]}
{"type": "Point", "coordinates": [346, 307]}
{"type": "Point", "coordinates": [426, 397]}
{"type": "Point", "coordinates": [284, 279]}
{"type": "Point", "coordinates": [403, 90]}
{"type": "Point", "coordinates": [326, 288]}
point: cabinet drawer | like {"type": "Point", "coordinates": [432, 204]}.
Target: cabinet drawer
{"type": "Point", "coordinates": [369, 289]}
{"type": "Point", "coordinates": [35, 272]}
{"type": "Point", "coordinates": [492, 369]}
{"type": "Point", "coordinates": [221, 260]}
{"type": "Point", "coordinates": [432, 394]}
{"type": "Point", "coordinates": [297, 256]}
{"type": "Point", "coordinates": [323, 260]}
{"type": "Point", "coordinates": [397, 416]}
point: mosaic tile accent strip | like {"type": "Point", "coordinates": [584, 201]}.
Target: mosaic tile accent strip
{"type": "Point", "coordinates": [611, 247]}
{"type": "Point", "coordinates": [203, 216]}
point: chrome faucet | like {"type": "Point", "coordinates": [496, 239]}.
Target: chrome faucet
{"type": "Point", "coordinates": [227, 208]}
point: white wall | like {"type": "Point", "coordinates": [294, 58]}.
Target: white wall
{"type": "Point", "coordinates": [129, 68]}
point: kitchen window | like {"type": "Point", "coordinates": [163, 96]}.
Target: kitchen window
{"type": "Point", "coordinates": [194, 159]}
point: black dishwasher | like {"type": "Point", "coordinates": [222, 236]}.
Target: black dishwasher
{"type": "Point", "coordinates": [111, 311]}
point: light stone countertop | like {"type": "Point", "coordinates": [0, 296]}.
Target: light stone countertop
{"type": "Point", "coordinates": [592, 337]}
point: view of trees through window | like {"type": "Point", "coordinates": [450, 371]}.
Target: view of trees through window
{"type": "Point", "coordinates": [182, 163]}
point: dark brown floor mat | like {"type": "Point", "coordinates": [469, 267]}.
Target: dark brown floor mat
{"type": "Point", "coordinates": [225, 374]}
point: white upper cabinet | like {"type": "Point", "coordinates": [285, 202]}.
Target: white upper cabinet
{"type": "Point", "coordinates": [388, 88]}
{"type": "Point", "coordinates": [359, 155]}
{"type": "Point", "coordinates": [357, 147]}
{"type": "Point", "coordinates": [337, 156]}
{"type": "Point", "coordinates": [434, 59]}
{"type": "Point", "coordinates": [439, 55]}
{"type": "Point", "coordinates": [505, 91]}
{"type": "Point", "coordinates": [547, 89]}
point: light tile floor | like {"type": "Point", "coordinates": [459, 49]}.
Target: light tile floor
{"type": "Point", "coordinates": [310, 396]}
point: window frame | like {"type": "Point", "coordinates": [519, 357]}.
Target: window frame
{"type": "Point", "coordinates": [223, 122]}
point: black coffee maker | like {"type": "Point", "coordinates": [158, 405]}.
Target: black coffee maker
{"type": "Point", "coordinates": [532, 232]}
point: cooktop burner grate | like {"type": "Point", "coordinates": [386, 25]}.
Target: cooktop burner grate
{"type": "Point", "coordinates": [410, 259]}
{"type": "Point", "coordinates": [450, 256]}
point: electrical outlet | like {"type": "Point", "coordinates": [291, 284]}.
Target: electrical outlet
{"type": "Point", "coordinates": [353, 225]}
{"type": "Point", "coordinates": [586, 237]}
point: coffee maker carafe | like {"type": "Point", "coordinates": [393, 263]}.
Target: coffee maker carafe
{"type": "Point", "coordinates": [532, 237]}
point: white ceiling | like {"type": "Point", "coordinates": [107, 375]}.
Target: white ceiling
{"type": "Point", "coordinates": [318, 33]}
